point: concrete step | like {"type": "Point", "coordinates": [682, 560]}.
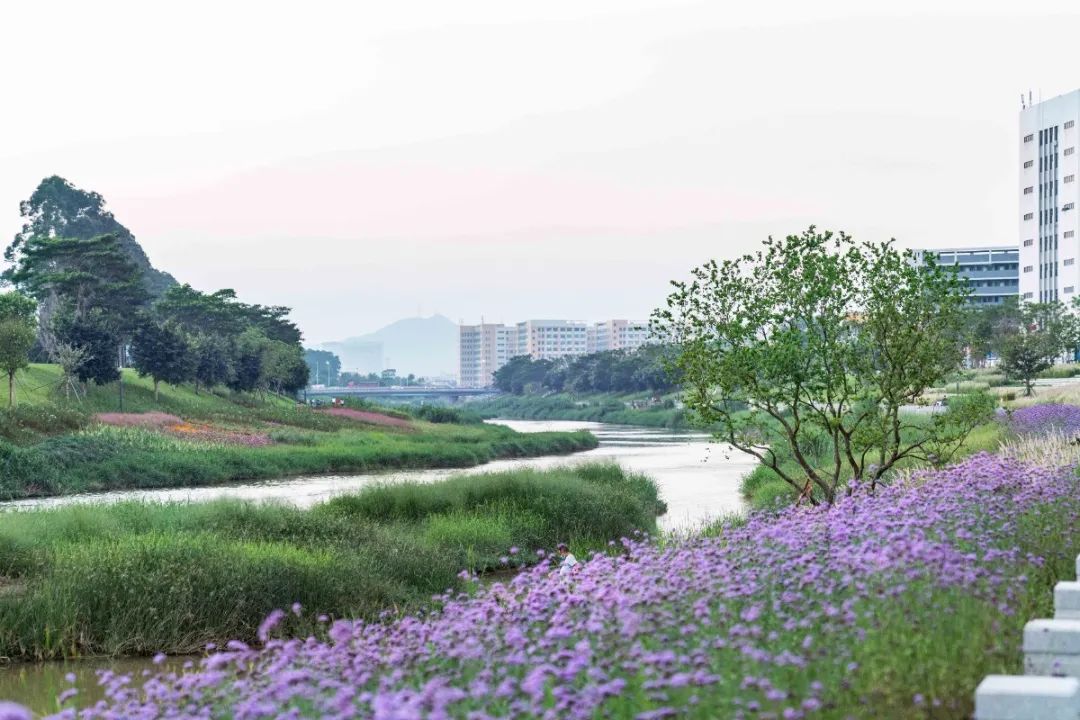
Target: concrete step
{"type": "Point", "coordinates": [1022, 697]}
{"type": "Point", "coordinates": [1052, 647]}
{"type": "Point", "coordinates": [1067, 601]}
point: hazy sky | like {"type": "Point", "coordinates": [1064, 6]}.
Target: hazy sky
{"type": "Point", "coordinates": [366, 161]}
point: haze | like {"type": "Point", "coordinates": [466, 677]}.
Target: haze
{"type": "Point", "coordinates": [362, 162]}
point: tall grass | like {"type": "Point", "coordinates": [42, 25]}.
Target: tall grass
{"type": "Point", "coordinates": [136, 578]}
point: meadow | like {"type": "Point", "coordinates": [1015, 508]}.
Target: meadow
{"type": "Point", "coordinates": [50, 445]}
{"type": "Point", "coordinates": [139, 578]}
{"type": "Point", "coordinates": [888, 604]}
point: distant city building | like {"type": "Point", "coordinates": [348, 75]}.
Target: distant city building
{"type": "Point", "coordinates": [484, 348]}
{"type": "Point", "coordinates": [1048, 194]}
{"type": "Point", "coordinates": [551, 339]}
{"type": "Point", "coordinates": [617, 335]}
{"type": "Point", "coordinates": [992, 272]}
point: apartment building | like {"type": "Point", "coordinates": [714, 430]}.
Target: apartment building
{"type": "Point", "coordinates": [484, 348]}
{"type": "Point", "coordinates": [1048, 196]}
{"type": "Point", "coordinates": [617, 335]}
{"type": "Point", "coordinates": [993, 273]}
{"type": "Point", "coordinates": [551, 339]}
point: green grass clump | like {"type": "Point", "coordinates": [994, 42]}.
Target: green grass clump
{"type": "Point", "coordinates": [139, 578]}
{"type": "Point", "coordinates": [605, 408]}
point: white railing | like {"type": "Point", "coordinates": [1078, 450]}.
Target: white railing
{"type": "Point", "coordinates": [1049, 689]}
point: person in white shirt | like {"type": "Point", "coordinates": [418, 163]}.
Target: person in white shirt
{"type": "Point", "coordinates": [569, 562]}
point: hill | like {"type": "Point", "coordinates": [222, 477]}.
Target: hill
{"type": "Point", "coordinates": [422, 346]}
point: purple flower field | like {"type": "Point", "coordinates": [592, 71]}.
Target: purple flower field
{"type": "Point", "coordinates": [1042, 419]}
{"type": "Point", "coordinates": [892, 605]}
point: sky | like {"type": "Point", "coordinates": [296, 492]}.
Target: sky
{"type": "Point", "coordinates": [363, 161]}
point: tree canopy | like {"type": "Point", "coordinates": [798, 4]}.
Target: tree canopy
{"type": "Point", "coordinates": [822, 338]}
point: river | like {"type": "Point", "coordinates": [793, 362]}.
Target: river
{"type": "Point", "coordinates": [697, 479]}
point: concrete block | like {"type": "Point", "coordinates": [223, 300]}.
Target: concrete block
{"type": "Point", "coordinates": [1021, 697]}
{"type": "Point", "coordinates": [1067, 601]}
{"type": "Point", "coordinates": [1052, 647]}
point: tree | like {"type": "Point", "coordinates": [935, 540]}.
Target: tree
{"type": "Point", "coordinates": [1037, 334]}
{"type": "Point", "coordinates": [96, 337]}
{"type": "Point", "coordinates": [163, 352]}
{"type": "Point", "coordinates": [59, 209]}
{"type": "Point", "coordinates": [284, 370]}
{"type": "Point", "coordinates": [17, 333]}
{"type": "Point", "coordinates": [325, 366]}
{"type": "Point", "coordinates": [210, 354]}
{"type": "Point", "coordinates": [822, 339]}
{"type": "Point", "coordinates": [247, 362]}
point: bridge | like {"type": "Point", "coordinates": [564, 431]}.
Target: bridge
{"type": "Point", "coordinates": [414, 392]}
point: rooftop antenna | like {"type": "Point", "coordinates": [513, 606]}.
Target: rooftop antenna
{"type": "Point", "coordinates": [1022, 105]}
{"type": "Point", "coordinates": [1029, 97]}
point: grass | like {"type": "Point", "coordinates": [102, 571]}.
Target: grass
{"type": "Point", "coordinates": [764, 489]}
{"type": "Point", "coordinates": [139, 578]}
{"type": "Point", "coordinates": [605, 408]}
{"type": "Point", "coordinates": [48, 448]}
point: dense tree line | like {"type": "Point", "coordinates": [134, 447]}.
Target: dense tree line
{"type": "Point", "coordinates": [101, 307]}
{"type": "Point", "coordinates": [610, 371]}
{"type": "Point", "coordinates": [324, 366]}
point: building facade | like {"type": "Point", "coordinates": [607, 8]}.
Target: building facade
{"type": "Point", "coordinates": [992, 272]}
{"type": "Point", "coordinates": [1048, 195]}
{"type": "Point", "coordinates": [484, 348]}
{"type": "Point", "coordinates": [551, 339]}
{"type": "Point", "coordinates": [617, 335]}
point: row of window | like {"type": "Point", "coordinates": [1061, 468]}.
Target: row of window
{"type": "Point", "coordinates": [1066, 262]}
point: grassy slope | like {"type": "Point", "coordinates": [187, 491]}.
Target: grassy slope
{"type": "Point", "coordinates": [38, 386]}
{"type": "Point", "coordinates": [63, 459]}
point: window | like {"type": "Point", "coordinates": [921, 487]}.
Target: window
{"type": "Point", "coordinates": [1069, 290]}
{"type": "Point", "coordinates": [1028, 138]}
{"type": "Point", "coordinates": [1069, 233]}
{"type": "Point", "coordinates": [1028, 190]}
{"type": "Point", "coordinates": [1029, 163]}
{"type": "Point", "coordinates": [1067, 206]}
{"type": "Point", "coordinates": [1069, 178]}
{"type": "Point", "coordinates": [1028, 216]}
{"type": "Point", "coordinates": [1027, 268]}
{"type": "Point", "coordinates": [1070, 124]}
{"type": "Point", "coordinates": [1068, 261]}
{"type": "Point", "coordinates": [1029, 243]}
{"type": "Point", "coordinates": [1027, 296]}
{"type": "Point", "coordinates": [1069, 151]}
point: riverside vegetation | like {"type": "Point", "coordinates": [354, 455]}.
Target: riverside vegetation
{"type": "Point", "coordinates": [892, 603]}
{"type": "Point", "coordinates": [206, 438]}
{"type": "Point", "coordinates": [139, 578]}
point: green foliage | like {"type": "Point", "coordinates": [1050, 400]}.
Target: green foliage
{"type": "Point", "coordinates": [143, 577]}
{"type": "Point", "coordinates": [17, 333]}
{"type": "Point", "coordinates": [59, 209]}
{"type": "Point", "coordinates": [324, 366]}
{"type": "Point", "coordinates": [1038, 335]}
{"type": "Point", "coordinates": [442, 414]}
{"type": "Point", "coordinates": [163, 352]}
{"type": "Point", "coordinates": [602, 372]}
{"type": "Point", "coordinates": [819, 335]}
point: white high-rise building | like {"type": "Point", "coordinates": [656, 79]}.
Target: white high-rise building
{"type": "Point", "coordinates": [617, 335]}
{"type": "Point", "coordinates": [483, 349]}
{"type": "Point", "coordinates": [1049, 195]}
{"type": "Point", "coordinates": [551, 339]}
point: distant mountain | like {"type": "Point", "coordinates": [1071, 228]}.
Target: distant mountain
{"type": "Point", "coordinates": [421, 346]}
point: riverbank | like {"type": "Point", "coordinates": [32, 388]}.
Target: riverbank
{"type": "Point", "coordinates": [612, 408]}
{"type": "Point", "coordinates": [141, 578]}
{"type": "Point", "coordinates": [189, 439]}
{"type": "Point", "coordinates": [805, 613]}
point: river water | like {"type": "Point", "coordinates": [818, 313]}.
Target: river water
{"type": "Point", "coordinates": [699, 480]}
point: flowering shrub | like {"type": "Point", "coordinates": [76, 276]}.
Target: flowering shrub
{"type": "Point", "coordinates": [1044, 419]}
{"type": "Point", "coordinates": [886, 605]}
